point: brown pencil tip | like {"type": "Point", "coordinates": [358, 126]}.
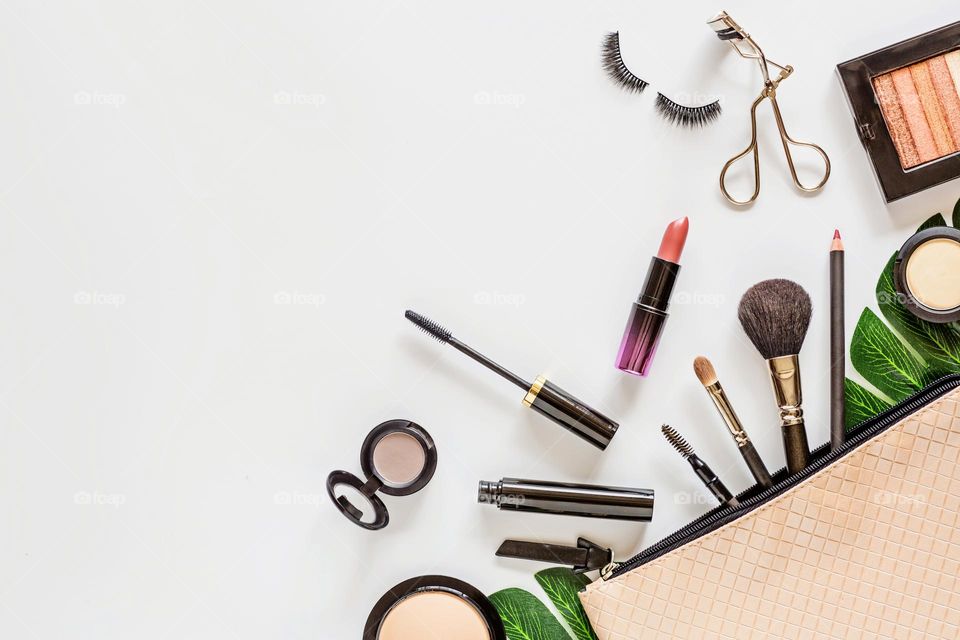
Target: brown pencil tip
{"type": "Point", "coordinates": [836, 234]}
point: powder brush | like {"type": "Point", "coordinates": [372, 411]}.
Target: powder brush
{"type": "Point", "coordinates": [708, 378]}
{"type": "Point", "coordinates": [709, 479]}
{"type": "Point", "coordinates": [775, 314]}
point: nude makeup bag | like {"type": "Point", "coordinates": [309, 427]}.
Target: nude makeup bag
{"type": "Point", "coordinates": [863, 543]}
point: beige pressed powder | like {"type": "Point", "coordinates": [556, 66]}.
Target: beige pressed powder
{"type": "Point", "coordinates": [933, 274]}
{"type": "Point", "coordinates": [433, 614]}
{"type": "Point", "coordinates": [398, 458]}
{"type": "Point", "coordinates": [927, 274]}
{"type": "Point", "coordinates": [434, 607]}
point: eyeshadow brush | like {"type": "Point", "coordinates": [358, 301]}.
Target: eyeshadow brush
{"type": "Point", "coordinates": [542, 396]}
{"type": "Point", "coordinates": [705, 473]}
{"type": "Point", "coordinates": [708, 378]}
{"type": "Point", "coordinates": [775, 315]}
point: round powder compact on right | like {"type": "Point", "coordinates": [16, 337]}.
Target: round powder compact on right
{"type": "Point", "coordinates": [926, 274]}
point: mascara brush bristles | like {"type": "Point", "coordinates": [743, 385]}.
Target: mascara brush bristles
{"type": "Point", "coordinates": [428, 326]}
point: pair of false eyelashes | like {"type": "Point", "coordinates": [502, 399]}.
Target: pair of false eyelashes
{"type": "Point", "coordinates": [673, 112]}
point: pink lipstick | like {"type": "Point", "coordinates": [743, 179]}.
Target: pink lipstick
{"type": "Point", "coordinates": [648, 315]}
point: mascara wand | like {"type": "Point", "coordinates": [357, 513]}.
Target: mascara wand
{"type": "Point", "coordinates": [541, 395]}
{"type": "Point", "coordinates": [705, 473]}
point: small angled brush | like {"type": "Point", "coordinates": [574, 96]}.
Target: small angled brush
{"type": "Point", "coordinates": [542, 395]}
{"type": "Point", "coordinates": [708, 378]}
{"type": "Point", "coordinates": [705, 473]}
{"type": "Point", "coordinates": [775, 315]}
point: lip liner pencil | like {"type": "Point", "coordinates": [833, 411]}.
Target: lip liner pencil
{"type": "Point", "coordinates": [838, 354]}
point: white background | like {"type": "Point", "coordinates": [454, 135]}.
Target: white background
{"type": "Point", "coordinates": [174, 173]}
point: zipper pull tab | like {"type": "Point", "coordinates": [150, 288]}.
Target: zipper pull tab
{"type": "Point", "coordinates": [607, 572]}
{"type": "Point", "coordinates": [586, 556]}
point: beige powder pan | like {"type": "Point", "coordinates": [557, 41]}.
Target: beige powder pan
{"type": "Point", "coordinates": [927, 274]}
{"type": "Point", "coordinates": [429, 607]}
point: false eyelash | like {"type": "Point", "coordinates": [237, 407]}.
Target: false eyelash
{"type": "Point", "coordinates": [616, 69]}
{"type": "Point", "coordinates": [684, 116]}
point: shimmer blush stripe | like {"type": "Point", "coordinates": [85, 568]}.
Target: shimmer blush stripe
{"type": "Point", "coordinates": [896, 121]}
{"type": "Point", "coordinates": [910, 103]}
{"type": "Point", "coordinates": [923, 82]}
{"type": "Point", "coordinates": [953, 63]}
{"type": "Point", "coordinates": [947, 95]}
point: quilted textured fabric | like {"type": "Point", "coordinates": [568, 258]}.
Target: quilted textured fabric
{"type": "Point", "coordinates": [869, 547]}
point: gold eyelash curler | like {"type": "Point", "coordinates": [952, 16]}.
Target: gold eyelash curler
{"type": "Point", "coordinates": [729, 31]}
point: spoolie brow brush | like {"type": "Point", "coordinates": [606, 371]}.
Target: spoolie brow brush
{"type": "Point", "coordinates": [708, 378]}
{"type": "Point", "coordinates": [541, 395]}
{"type": "Point", "coordinates": [705, 473]}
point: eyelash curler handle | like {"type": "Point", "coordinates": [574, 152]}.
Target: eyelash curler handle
{"type": "Point", "coordinates": [770, 92]}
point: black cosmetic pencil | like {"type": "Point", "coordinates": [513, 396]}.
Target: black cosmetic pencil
{"type": "Point", "coordinates": [838, 354]}
{"type": "Point", "coordinates": [705, 473]}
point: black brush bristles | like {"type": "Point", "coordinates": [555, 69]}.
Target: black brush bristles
{"type": "Point", "coordinates": [428, 326]}
{"type": "Point", "coordinates": [684, 116]}
{"type": "Point", "coordinates": [614, 66]}
{"type": "Point", "coordinates": [679, 442]}
{"type": "Point", "coordinates": [775, 315]}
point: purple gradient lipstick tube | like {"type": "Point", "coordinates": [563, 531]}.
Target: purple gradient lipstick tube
{"type": "Point", "coordinates": [648, 315]}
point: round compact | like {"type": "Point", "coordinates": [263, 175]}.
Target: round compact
{"type": "Point", "coordinates": [434, 607]}
{"type": "Point", "coordinates": [398, 458]}
{"type": "Point", "coordinates": [926, 274]}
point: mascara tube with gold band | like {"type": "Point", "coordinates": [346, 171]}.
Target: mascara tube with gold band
{"type": "Point", "coordinates": [542, 396]}
{"type": "Point", "coordinates": [548, 399]}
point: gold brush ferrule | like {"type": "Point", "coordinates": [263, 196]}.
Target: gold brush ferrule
{"type": "Point", "coordinates": [785, 375]}
{"type": "Point", "coordinates": [725, 409]}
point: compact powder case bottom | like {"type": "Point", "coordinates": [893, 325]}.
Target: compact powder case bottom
{"type": "Point", "coordinates": [926, 274]}
{"type": "Point", "coordinates": [398, 458]}
{"type": "Point", "coordinates": [434, 607]}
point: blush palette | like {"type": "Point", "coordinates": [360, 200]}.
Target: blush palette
{"type": "Point", "coordinates": [906, 102]}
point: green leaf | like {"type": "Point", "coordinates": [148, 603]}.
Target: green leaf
{"type": "Point", "coordinates": [525, 617]}
{"type": "Point", "coordinates": [936, 220]}
{"type": "Point", "coordinates": [937, 344]}
{"type": "Point", "coordinates": [884, 361]}
{"type": "Point", "coordinates": [956, 214]}
{"type": "Point", "coordinates": [562, 585]}
{"type": "Point", "coordinates": [861, 404]}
